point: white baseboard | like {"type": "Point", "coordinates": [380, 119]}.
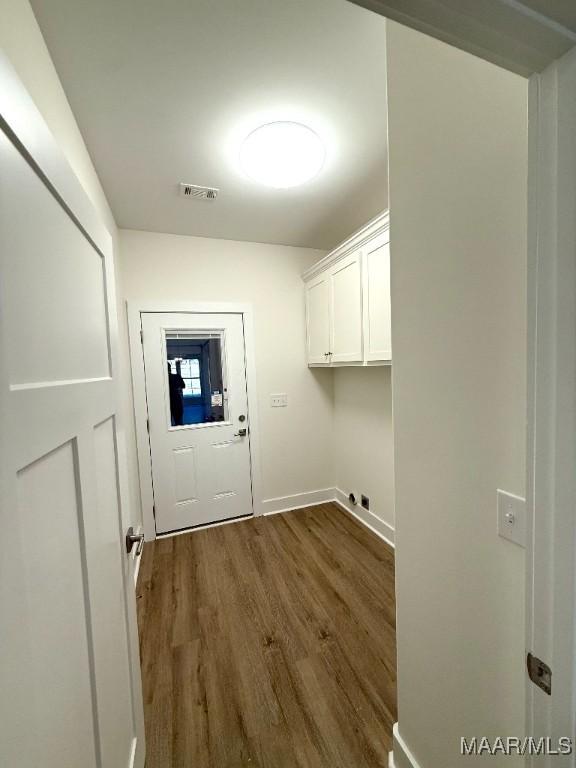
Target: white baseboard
{"type": "Point", "coordinates": [312, 498]}
{"type": "Point", "coordinates": [297, 501]}
{"type": "Point", "coordinates": [379, 527]}
{"type": "Point", "coordinates": [401, 757]}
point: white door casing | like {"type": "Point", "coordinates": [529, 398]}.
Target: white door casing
{"type": "Point", "coordinates": [69, 668]}
{"type": "Point", "coordinates": [551, 443]}
{"type": "Point", "coordinates": [201, 472]}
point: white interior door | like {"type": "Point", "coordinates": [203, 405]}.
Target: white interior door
{"type": "Point", "coordinates": [68, 666]}
{"type": "Point", "coordinates": [198, 417]}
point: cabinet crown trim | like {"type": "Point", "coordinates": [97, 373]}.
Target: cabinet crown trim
{"type": "Point", "coordinates": [376, 226]}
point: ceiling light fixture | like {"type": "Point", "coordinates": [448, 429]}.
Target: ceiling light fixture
{"type": "Point", "coordinates": [282, 154]}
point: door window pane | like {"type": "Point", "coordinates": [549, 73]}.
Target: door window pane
{"type": "Point", "coordinates": [196, 387]}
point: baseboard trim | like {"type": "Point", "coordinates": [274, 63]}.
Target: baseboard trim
{"type": "Point", "coordinates": [377, 526]}
{"type": "Point", "coordinates": [401, 757]}
{"type": "Point", "coordinates": [297, 501]}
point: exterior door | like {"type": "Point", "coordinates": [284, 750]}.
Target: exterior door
{"type": "Point", "coordinates": [69, 667]}
{"type": "Point", "coordinates": [198, 418]}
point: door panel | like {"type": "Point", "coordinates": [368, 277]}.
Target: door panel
{"type": "Point", "coordinates": [186, 474]}
{"type": "Point", "coordinates": [318, 319]}
{"type": "Point", "coordinates": [58, 276]}
{"type": "Point", "coordinates": [346, 304]}
{"type": "Point", "coordinates": [197, 405]}
{"type": "Point", "coordinates": [57, 671]}
{"type": "Point", "coordinates": [67, 669]}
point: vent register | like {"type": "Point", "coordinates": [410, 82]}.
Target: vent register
{"type": "Point", "coordinates": [195, 192]}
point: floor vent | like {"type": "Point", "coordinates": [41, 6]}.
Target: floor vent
{"type": "Point", "coordinates": [195, 192]}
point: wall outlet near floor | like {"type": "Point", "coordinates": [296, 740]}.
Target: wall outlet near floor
{"type": "Point", "coordinates": [279, 401]}
{"type": "Point", "coordinates": [511, 517]}
{"type": "Point", "coordinates": [365, 501]}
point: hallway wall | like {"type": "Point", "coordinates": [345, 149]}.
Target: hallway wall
{"type": "Point", "coordinates": [458, 189]}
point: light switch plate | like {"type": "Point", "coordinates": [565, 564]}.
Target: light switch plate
{"type": "Point", "coordinates": [279, 401]}
{"type": "Point", "coordinates": [512, 517]}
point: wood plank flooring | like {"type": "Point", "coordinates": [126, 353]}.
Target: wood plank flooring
{"type": "Point", "coordinates": [269, 643]}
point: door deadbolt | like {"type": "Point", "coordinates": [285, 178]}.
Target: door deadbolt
{"type": "Point", "coordinates": [241, 417]}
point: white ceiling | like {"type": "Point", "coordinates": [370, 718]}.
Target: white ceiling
{"type": "Point", "coordinates": [165, 91]}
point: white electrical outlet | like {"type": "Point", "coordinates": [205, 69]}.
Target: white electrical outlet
{"type": "Point", "coordinates": [512, 517]}
{"type": "Point", "coordinates": [279, 401]}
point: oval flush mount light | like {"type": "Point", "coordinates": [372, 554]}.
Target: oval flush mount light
{"type": "Point", "coordinates": [282, 154]}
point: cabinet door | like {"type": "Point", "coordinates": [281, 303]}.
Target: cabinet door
{"type": "Point", "coordinates": [318, 319]}
{"type": "Point", "coordinates": [346, 310]}
{"type": "Point", "coordinates": [377, 321]}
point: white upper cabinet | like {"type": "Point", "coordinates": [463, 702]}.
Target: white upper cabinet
{"type": "Point", "coordinates": [346, 310]}
{"type": "Point", "coordinates": [376, 284]}
{"type": "Point", "coordinates": [318, 319]}
{"type": "Point", "coordinates": [348, 301]}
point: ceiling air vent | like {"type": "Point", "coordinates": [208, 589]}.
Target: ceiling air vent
{"type": "Point", "coordinates": [194, 192]}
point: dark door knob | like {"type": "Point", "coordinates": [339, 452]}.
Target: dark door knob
{"type": "Point", "coordinates": [134, 538]}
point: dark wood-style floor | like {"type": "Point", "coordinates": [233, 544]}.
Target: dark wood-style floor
{"type": "Point", "coordinates": [269, 643]}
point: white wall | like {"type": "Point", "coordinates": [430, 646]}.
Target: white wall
{"type": "Point", "coordinates": [23, 44]}
{"type": "Point", "coordinates": [296, 442]}
{"type": "Point", "coordinates": [458, 184]}
{"type": "Point", "coordinates": [363, 441]}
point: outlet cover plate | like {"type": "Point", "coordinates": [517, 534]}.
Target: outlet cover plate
{"type": "Point", "coordinates": [512, 517]}
{"type": "Point", "coordinates": [279, 400]}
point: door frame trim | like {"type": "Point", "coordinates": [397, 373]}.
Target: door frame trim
{"type": "Point", "coordinates": [551, 431]}
{"type": "Point", "coordinates": [134, 311]}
